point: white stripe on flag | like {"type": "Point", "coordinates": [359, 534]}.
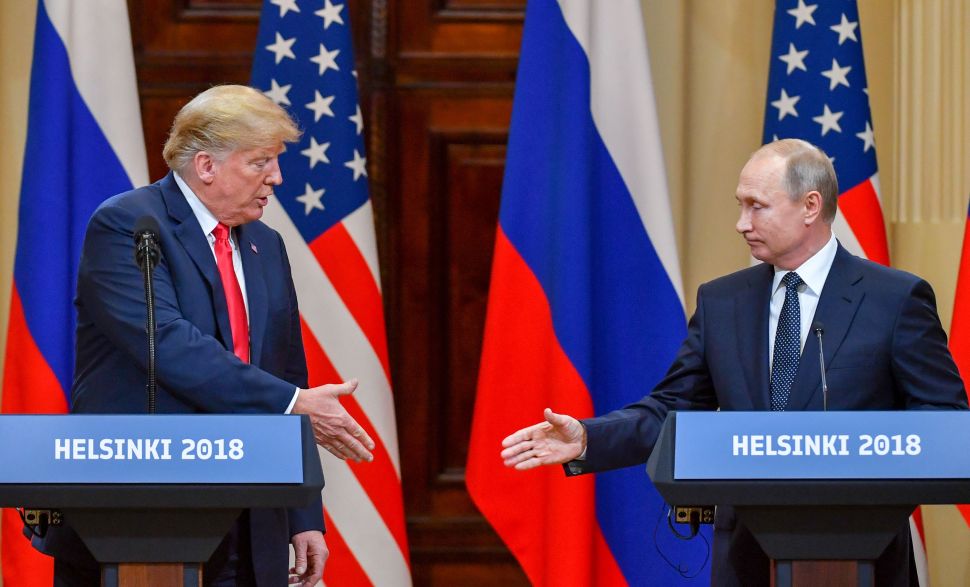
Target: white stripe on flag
{"type": "Point", "coordinates": [360, 226]}
{"type": "Point", "coordinates": [627, 120]}
{"type": "Point", "coordinates": [103, 70]}
{"type": "Point", "coordinates": [361, 525]}
{"type": "Point", "coordinates": [919, 554]}
{"type": "Point", "coordinates": [337, 332]}
{"type": "Point", "coordinates": [844, 233]}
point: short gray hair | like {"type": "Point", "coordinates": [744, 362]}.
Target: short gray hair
{"type": "Point", "coordinates": [807, 168]}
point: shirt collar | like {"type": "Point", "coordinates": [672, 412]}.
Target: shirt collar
{"type": "Point", "coordinates": [206, 220]}
{"type": "Point", "coordinates": [813, 271]}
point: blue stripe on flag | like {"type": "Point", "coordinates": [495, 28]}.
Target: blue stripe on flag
{"type": "Point", "coordinates": [69, 168]}
{"type": "Point", "coordinates": [616, 314]}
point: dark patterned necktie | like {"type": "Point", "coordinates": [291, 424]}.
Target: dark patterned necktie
{"type": "Point", "coordinates": [788, 339]}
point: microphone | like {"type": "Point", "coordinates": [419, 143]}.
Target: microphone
{"type": "Point", "coordinates": [819, 329]}
{"type": "Point", "coordinates": [146, 241]}
{"type": "Point", "coordinates": [147, 253]}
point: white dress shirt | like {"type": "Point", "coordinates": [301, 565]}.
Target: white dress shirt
{"type": "Point", "coordinates": [813, 272]}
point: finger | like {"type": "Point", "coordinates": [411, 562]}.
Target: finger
{"type": "Point", "coordinates": [299, 559]}
{"type": "Point", "coordinates": [539, 456]}
{"type": "Point", "coordinates": [346, 388]}
{"type": "Point", "coordinates": [517, 449]}
{"type": "Point", "coordinates": [530, 463]}
{"type": "Point", "coordinates": [354, 449]}
{"type": "Point", "coordinates": [525, 434]}
{"type": "Point", "coordinates": [360, 435]}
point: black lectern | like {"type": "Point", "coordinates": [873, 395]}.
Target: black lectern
{"type": "Point", "coordinates": [817, 531]}
{"type": "Point", "coordinates": [160, 533]}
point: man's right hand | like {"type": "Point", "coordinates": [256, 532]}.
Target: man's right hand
{"type": "Point", "coordinates": [558, 440]}
{"type": "Point", "coordinates": [334, 429]}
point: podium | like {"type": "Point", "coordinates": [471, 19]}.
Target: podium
{"type": "Point", "coordinates": [823, 493]}
{"type": "Point", "coordinates": [153, 496]}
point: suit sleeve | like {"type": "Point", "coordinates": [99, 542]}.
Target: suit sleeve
{"type": "Point", "coordinates": [924, 371]}
{"type": "Point", "coordinates": [193, 366]}
{"type": "Point", "coordinates": [626, 437]}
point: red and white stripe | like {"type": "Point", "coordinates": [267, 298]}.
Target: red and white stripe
{"type": "Point", "coordinates": [859, 224]}
{"type": "Point", "coordinates": [337, 283]}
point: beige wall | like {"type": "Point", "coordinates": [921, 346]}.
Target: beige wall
{"type": "Point", "coordinates": [16, 42]}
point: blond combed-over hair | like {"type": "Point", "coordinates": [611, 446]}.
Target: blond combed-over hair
{"type": "Point", "coordinates": [223, 119]}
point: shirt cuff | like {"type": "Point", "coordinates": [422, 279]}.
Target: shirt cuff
{"type": "Point", "coordinates": [296, 394]}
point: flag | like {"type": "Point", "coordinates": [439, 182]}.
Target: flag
{"type": "Point", "coordinates": [84, 143]}
{"type": "Point", "coordinates": [585, 310]}
{"type": "Point", "coordinates": [817, 91]}
{"type": "Point", "coordinates": [304, 62]}
{"type": "Point", "coordinates": [960, 326]}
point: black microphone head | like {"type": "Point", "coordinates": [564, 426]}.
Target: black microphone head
{"type": "Point", "coordinates": [146, 241]}
{"type": "Point", "coordinates": [146, 226]}
{"type": "Point", "coordinates": [818, 327]}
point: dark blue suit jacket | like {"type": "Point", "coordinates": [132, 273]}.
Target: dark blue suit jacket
{"type": "Point", "coordinates": [884, 350]}
{"type": "Point", "coordinates": [196, 368]}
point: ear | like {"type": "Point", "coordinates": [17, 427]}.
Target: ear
{"type": "Point", "coordinates": [205, 166]}
{"type": "Point", "coordinates": [812, 203]}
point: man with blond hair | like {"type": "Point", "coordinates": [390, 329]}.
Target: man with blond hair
{"type": "Point", "coordinates": [228, 326]}
{"type": "Point", "coordinates": [748, 348]}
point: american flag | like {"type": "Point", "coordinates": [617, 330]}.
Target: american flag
{"type": "Point", "coordinates": [817, 91]}
{"type": "Point", "coordinates": [304, 62]}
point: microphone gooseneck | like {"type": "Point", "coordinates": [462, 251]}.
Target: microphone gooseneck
{"type": "Point", "coordinates": [147, 253]}
{"type": "Point", "coordinates": [819, 329]}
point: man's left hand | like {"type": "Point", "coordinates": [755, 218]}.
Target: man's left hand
{"type": "Point", "coordinates": [311, 554]}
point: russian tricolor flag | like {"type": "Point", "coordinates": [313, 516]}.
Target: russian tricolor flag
{"type": "Point", "coordinates": [84, 143]}
{"type": "Point", "coordinates": [585, 308]}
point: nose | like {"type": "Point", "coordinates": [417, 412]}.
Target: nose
{"type": "Point", "coordinates": [743, 224]}
{"type": "Point", "coordinates": [275, 174]}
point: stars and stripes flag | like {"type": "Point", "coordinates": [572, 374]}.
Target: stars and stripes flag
{"type": "Point", "coordinates": [817, 91]}
{"type": "Point", "coordinates": [585, 309]}
{"type": "Point", "coordinates": [84, 143]}
{"type": "Point", "coordinates": [960, 326]}
{"type": "Point", "coordinates": [304, 61]}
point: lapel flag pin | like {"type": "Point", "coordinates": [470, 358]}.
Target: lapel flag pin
{"type": "Point", "coordinates": [252, 245]}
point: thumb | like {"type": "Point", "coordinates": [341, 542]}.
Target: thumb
{"type": "Point", "coordinates": [299, 558]}
{"type": "Point", "coordinates": [347, 387]}
{"type": "Point", "coordinates": [557, 420]}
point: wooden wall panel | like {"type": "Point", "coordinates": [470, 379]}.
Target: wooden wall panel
{"type": "Point", "coordinates": [450, 80]}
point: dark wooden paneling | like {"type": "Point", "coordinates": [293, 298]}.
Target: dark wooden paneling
{"type": "Point", "coordinates": [443, 220]}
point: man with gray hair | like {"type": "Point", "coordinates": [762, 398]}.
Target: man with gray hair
{"type": "Point", "coordinates": [748, 347]}
{"type": "Point", "coordinates": [228, 325]}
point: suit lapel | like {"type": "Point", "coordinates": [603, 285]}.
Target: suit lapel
{"type": "Point", "coordinates": [837, 306]}
{"type": "Point", "coordinates": [190, 236]}
{"type": "Point", "coordinates": [255, 292]}
{"type": "Point", "coordinates": [751, 313]}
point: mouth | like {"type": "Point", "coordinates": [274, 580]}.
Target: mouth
{"type": "Point", "coordinates": [263, 200]}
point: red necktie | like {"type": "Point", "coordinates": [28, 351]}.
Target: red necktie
{"type": "Point", "coordinates": [238, 322]}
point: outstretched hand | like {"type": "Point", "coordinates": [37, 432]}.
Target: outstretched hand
{"type": "Point", "coordinates": [558, 440]}
{"type": "Point", "coordinates": [335, 429]}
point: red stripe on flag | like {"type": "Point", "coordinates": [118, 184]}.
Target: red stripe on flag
{"type": "Point", "coordinates": [342, 567]}
{"type": "Point", "coordinates": [547, 520]}
{"type": "Point", "coordinates": [860, 206]}
{"type": "Point", "coordinates": [351, 277]}
{"type": "Point", "coordinates": [960, 327]}
{"type": "Point", "coordinates": [378, 477]}
{"type": "Point", "coordinates": [29, 387]}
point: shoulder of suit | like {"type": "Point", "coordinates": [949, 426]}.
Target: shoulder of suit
{"type": "Point", "coordinates": [876, 275]}
{"type": "Point", "coordinates": [759, 274]}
